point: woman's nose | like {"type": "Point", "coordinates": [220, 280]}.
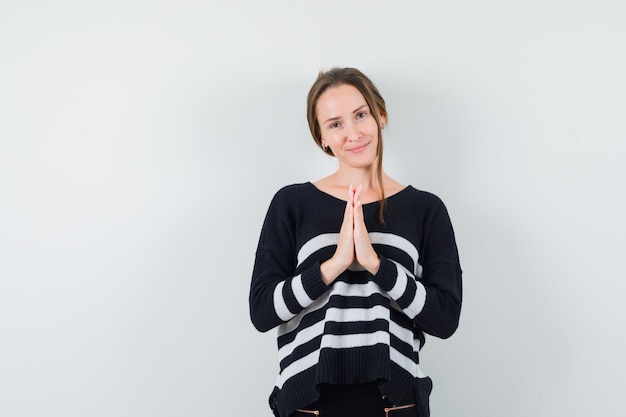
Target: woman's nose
{"type": "Point", "coordinates": [352, 132]}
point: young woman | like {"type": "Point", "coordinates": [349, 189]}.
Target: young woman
{"type": "Point", "coordinates": [353, 269]}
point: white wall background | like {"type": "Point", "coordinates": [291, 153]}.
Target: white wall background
{"type": "Point", "coordinates": [141, 141]}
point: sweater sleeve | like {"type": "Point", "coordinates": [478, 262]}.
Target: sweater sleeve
{"type": "Point", "coordinates": [441, 276]}
{"type": "Point", "coordinates": [277, 292]}
{"type": "Point", "coordinates": [432, 300]}
{"type": "Point", "coordinates": [401, 286]}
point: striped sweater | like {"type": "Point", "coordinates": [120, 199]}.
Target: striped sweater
{"type": "Point", "coordinates": [363, 327]}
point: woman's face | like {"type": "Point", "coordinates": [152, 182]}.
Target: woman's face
{"type": "Point", "coordinates": [348, 126]}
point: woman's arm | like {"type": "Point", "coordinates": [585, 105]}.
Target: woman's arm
{"type": "Point", "coordinates": [277, 293]}
{"type": "Point", "coordinates": [432, 300]}
{"type": "Point", "coordinates": [276, 296]}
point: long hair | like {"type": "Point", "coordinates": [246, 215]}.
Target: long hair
{"type": "Point", "coordinates": [336, 77]}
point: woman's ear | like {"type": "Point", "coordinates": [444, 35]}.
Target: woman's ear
{"type": "Point", "coordinates": [383, 121]}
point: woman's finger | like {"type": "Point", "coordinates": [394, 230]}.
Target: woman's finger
{"type": "Point", "coordinates": [365, 254]}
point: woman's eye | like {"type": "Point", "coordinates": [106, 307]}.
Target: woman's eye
{"type": "Point", "coordinates": [361, 115]}
{"type": "Point", "coordinates": [334, 125]}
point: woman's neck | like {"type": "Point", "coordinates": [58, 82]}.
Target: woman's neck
{"type": "Point", "coordinates": [365, 177]}
{"type": "Point", "coordinates": [337, 185]}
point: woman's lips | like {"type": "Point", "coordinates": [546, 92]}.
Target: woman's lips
{"type": "Point", "coordinates": [358, 148]}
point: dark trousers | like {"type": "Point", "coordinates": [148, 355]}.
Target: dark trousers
{"type": "Point", "coordinates": [360, 400]}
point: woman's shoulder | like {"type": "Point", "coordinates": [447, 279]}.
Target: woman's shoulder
{"type": "Point", "coordinates": [291, 194]}
{"type": "Point", "coordinates": [423, 198]}
{"type": "Point", "coordinates": [409, 193]}
{"type": "Point", "coordinates": [291, 190]}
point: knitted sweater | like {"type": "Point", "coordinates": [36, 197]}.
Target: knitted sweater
{"type": "Point", "coordinates": [363, 327]}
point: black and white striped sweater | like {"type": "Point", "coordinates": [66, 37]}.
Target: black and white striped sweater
{"type": "Point", "coordinates": [363, 327]}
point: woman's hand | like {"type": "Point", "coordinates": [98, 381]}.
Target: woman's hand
{"type": "Point", "coordinates": [365, 254]}
{"type": "Point", "coordinates": [344, 254]}
{"type": "Point", "coordinates": [354, 242]}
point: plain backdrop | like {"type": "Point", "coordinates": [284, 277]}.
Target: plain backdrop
{"type": "Point", "coordinates": [141, 142]}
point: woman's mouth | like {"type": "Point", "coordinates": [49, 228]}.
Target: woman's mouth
{"type": "Point", "coordinates": [358, 149]}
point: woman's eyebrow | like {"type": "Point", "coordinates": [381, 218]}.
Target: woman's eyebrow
{"type": "Point", "coordinates": [360, 108]}
{"type": "Point", "coordinates": [330, 119]}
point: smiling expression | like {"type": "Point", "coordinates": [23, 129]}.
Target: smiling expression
{"type": "Point", "coordinates": [347, 126]}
